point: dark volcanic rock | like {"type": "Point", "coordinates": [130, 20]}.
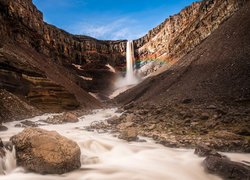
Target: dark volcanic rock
{"type": "Point", "coordinates": [1, 143]}
{"type": "Point", "coordinates": [3, 128]}
{"type": "Point", "coordinates": [204, 151]}
{"type": "Point", "coordinates": [29, 123]}
{"type": "Point", "coordinates": [226, 169]}
{"type": "Point", "coordinates": [2, 152]}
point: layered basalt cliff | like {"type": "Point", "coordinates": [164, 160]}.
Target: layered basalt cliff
{"type": "Point", "coordinates": [53, 69]}
{"type": "Point", "coordinates": [23, 23]}
{"type": "Point", "coordinates": [179, 34]}
{"type": "Point", "coordinates": [48, 66]}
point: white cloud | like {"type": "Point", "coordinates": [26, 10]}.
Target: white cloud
{"type": "Point", "coordinates": [121, 28]}
{"type": "Point", "coordinates": [60, 3]}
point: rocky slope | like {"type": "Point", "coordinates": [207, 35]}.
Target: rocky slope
{"type": "Point", "coordinates": [13, 107]}
{"type": "Point", "coordinates": [203, 98]}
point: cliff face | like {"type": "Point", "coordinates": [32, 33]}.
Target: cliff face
{"type": "Point", "coordinates": [180, 33]}
{"type": "Point", "coordinates": [24, 24]}
{"type": "Point", "coordinates": [36, 59]}
{"type": "Point", "coordinates": [30, 29]}
{"type": "Point", "coordinates": [216, 71]}
{"type": "Point", "coordinates": [53, 69]}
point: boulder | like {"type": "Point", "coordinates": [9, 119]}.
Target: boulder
{"type": "Point", "coordinates": [204, 116]}
{"type": "Point", "coordinates": [204, 151]}
{"type": "Point", "coordinates": [70, 117]}
{"type": "Point", "coordinates": [2, 152]}
{"type": "Point", "coordinates": [130, 118]}
{"type": "Point", "coordinates": [226, 169]}
{"type": "Point", "coordinates": [29, 123]}
{"type": "Point", "coordinates": [129, 134]}
{"type": "Point", "coordinates": [226, 135]}
{"type": "Point", "coordinates": [125, 126]}
{"type": "Point", "coordinates": [61, 119]}
{"type": "Point", "coordinates": [187, 101]}
{"type": "Point", "coordinates": [129, 106]}
{"type": "Point", "coordinates": [113, 120]}
{"type": "Point", "coordinates": [46, 152]}
{"type": "Point", "coordinates": [1, 143]}
{"type": "Point", "coordinates": [3, 128]}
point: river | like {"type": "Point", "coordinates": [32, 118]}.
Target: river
{"type": "Point", "coordinates": [105, 157]}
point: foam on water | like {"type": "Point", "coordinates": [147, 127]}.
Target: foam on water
{"type": "Point", "coordinates": [106, 157]}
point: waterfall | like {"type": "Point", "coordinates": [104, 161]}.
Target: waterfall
{"type": "Point", "coordinates": [130, 76]}
{"type": "Point", "coordinates": [8, 161]}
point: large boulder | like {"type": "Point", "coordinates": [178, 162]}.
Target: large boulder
{"type": "Point", "coordinates": [226, 169]}
{"type": "Point", "coordinates": [46, 152]}
{"type": "Point", "coordinates": [129, 134]}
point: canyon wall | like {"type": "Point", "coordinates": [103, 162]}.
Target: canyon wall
{"type": "Point", "coordinates": [179, 34]}
{"type": "Point", "coordinates": [36, 59]}
{"type": "Point", "coordinates": [53, 69]}
{"type": "Point", "coordinates": [85, 58]}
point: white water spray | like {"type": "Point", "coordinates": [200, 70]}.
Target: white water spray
{"type": "Point", "coordinates": [130, 76]}
{"type": "Point", "coordinates": [8, 161]}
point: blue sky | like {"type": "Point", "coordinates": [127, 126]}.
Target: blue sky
{"type": "Point", "coordinates": [109, 19]}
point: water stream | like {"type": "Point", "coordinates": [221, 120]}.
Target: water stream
{"type": "Point", "coordinates": [130, 79]}
{"type": "Point", "coordinates": [105, 157]}
{"type": "Point", "coordinates": [130, 60]}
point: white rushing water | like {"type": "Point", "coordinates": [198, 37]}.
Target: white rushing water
{"type": "Point", "coordinates": [130, 78]}
{"type": "Point", "coordinates": [104, 157]}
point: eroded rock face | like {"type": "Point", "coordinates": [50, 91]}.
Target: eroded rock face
{"type": "Point", "coordinates": [53, 69]}
{"type": "Point", "coordinates": [46, 65]}
{"type": "Point", "coordinates": [46, 152]}
{"type": "Point", "coordinates": [23, 23]}
{"type": "Point", "coordinates": [180, 33]}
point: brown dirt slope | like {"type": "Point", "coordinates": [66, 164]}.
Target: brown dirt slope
{"type": "Point", "coordinates": [216, 70]}
{"type": "Point", "coordinates": [13, 108]}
